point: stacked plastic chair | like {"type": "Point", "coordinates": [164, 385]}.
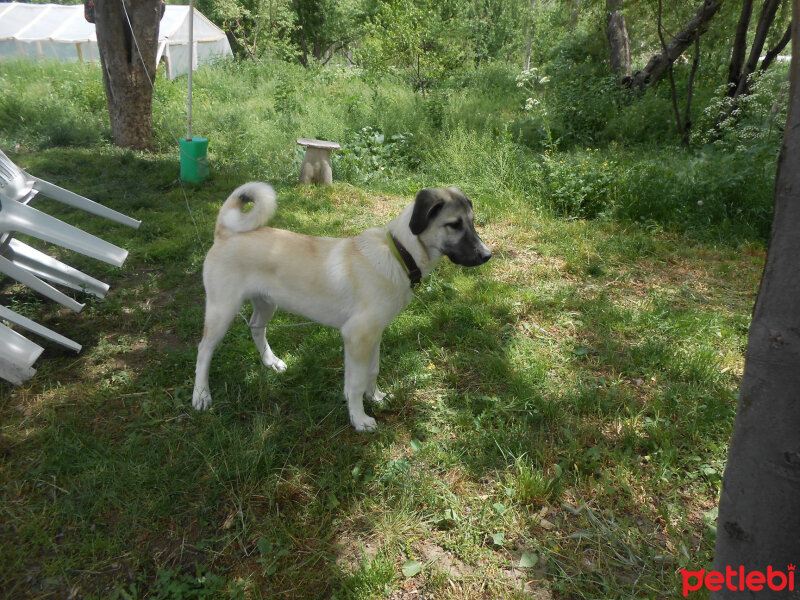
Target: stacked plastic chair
{"type": "Point", "coordinates": [36, 269]}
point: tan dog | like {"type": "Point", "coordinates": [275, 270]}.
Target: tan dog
{"type": "Point", "coordinates": [357, 284]}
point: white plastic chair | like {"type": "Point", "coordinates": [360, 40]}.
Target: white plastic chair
{"type": "Point", "coordinates": [32, 281]}
{"type": "Point", "coordinates": [16, 184]}
{"type": "Point", "coordinates": [9, 315]}
{"type": "Point", "coordinates": [34, 268]}
{"type": "Point", "coordinates": [17, 355]}
{"type": "Point", "coordinates": [17, 217]}
{"type": "Point", "coordinates": [52, 270]}
{"type": "Point", "coordinates": [25, 264]}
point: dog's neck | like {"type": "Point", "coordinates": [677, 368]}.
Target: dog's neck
{"type": "Point", "coordinates": [404, 257]}
{"type": "Point", "coordinates": [425, 259]}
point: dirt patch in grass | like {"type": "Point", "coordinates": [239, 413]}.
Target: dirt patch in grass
{"type": "Point", "coordinates": [351, 551]}
{"type": "Point", "coordinates": [443, 560]}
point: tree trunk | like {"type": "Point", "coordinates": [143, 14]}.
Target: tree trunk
{"type": "Point", "coordinates": [576, 12]}
{"type": "Point", "coordinates": [773, 53]}
{"type": "Point", "coordinates": [759, 520]}
{"type": "Point", "coordinates": [529, 36]}
{"type": "Point", "coordinates": [739, 72]}
{"type": "Point", "coordinates": [765, 20]}
{"type": "Point", "coordinates": [740, 45]}
{"type": "Point", "coordinates": [618, 41]}
{"type": "Point", "coordinates": [127, 41]}
{"type": "Point", "coordinates": [673, 89]}
{"type": "Point", "coordinates": [661, 62]}
{"type": "Point", "coordinates": [687, 119]}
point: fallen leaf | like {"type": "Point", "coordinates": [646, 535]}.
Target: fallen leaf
{"type": "Point", "coordinates": [528, 560]}
{"type": "Point", "coordinates": [411, 568]}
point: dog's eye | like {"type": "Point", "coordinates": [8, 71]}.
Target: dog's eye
{"type": "Point", "coordinates": [454, 225]}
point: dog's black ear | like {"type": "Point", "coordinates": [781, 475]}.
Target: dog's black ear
{"type": "Point", "coordinates": [427, 205]}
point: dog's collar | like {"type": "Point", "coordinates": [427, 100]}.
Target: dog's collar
{"type": "Point", "coordinates": [402, 254]}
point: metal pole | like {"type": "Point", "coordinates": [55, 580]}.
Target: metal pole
{"type": "Point", "coordinates": [191, 65]}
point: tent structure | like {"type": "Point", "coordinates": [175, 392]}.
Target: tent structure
{"type": "Point", "coordinates": [54, 31]}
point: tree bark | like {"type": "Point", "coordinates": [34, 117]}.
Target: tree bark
{"type": "Point", "coordinates": [740, 44]}
{"type": "Point", "coordinates": [618, 40]}
{"type": "Point", "coordinates": [576, 11]}
{"type": "Point", "coordinates": [127, 41]}
{"type": "Point", "coordinates": [661, 62]}
{"type": "Point", "coordinates": [773, 53]}
{"type": "Point", "coordinates": [673, 90]}
{"type": "Point", "coordinates": [759, 518]}
{"type": "Point", "coordinates": [687, 119]}
{"type": "Point", "coordinates": [529, 37]}
{"type": "Point", "coordinates": [765, 19]}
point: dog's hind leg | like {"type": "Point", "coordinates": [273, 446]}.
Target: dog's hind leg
{"type": "Point", "coordinates": [218, 319]}
{"type": "Point", "coordinates": [262, 313]}
{"type": "Point", "coordinates": [359, 347]}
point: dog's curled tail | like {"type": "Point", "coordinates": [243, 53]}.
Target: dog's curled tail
{"type": "Point", "coordinates": [233, 219]}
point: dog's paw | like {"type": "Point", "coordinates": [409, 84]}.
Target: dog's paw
{"type": "Point", "coordinates": [365, 423]}
{"type": "Point", "coordinates": [276, 364]}
{"type": "Point", "coordinates": [201, 399]}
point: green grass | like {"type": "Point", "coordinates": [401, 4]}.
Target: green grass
{"type": "Point", "coordinates": [565, 406]}
{"type": "Point", "coordinates": [589, 370]}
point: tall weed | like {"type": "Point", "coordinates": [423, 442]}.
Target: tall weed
{"type": "Point", "coordinates": [472, 130]}
{"type": "Point", "coordinates": [50, 104]}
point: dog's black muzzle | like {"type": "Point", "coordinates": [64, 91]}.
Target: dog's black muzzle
{"type": "Point", "coordinates": [468, 252]}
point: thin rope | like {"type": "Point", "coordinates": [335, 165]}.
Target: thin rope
{"type": "Point", "coordinates": [183, 189]}
{"type": "Point", "coordinates": [166, 120]}
{"type": "Point", "coordinates": [282, 326]}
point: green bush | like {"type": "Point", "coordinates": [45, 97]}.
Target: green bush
{"type": "Point", "coordinates": [710, 194]}
{"type": "Point", "coordinates": [754, 120]}
{"type": "Point", "coordinates": [583, 148]}
{"type": "Point", "coordinates": [369, 154]}
{"type": "Point", "coordinates": [581, 185]}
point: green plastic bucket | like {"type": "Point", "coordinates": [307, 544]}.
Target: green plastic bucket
{"type": "Point", "coordinates": [194, 165]}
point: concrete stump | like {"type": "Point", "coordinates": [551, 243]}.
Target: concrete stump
{"type": "Point", "coordinates": [317, 162]}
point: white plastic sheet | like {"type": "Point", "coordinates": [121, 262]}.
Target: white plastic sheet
{"type": "Point", "coordinates": [53, 31]}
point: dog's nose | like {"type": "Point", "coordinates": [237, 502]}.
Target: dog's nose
{"type": "Point", "coordinates": [485, 254]}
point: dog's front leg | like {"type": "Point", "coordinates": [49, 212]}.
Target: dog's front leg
{"type": "Point", "coordinates": [373, 393]}
{"type": "Point", "coordinates": [360, 341]}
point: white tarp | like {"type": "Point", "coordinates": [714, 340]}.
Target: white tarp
{"type": "Point", "coordinates": [39, 31]}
